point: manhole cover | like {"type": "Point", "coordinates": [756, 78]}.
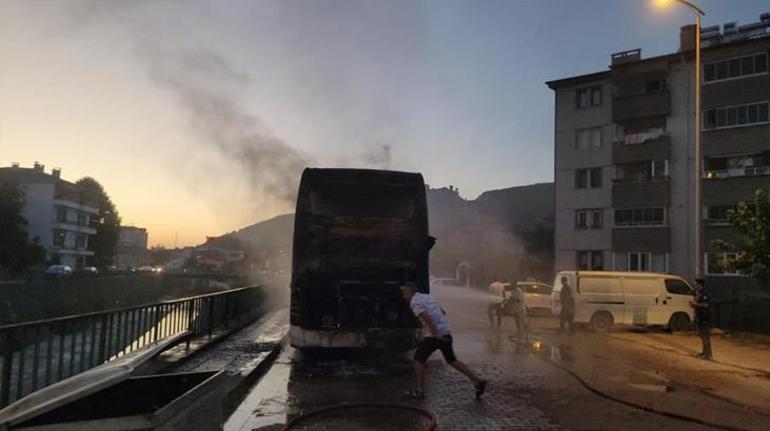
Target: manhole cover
{"type": "Point", "coordinates": [356, 417]}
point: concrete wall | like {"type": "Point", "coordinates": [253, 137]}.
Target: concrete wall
{"type": "Point", "coordinates": [681, 170]}
{"type": "Point", "coordinates": [39, 211]}
{"type": "Point", "coordinates": [567, 159]}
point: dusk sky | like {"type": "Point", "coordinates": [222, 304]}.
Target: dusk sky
{"type": "Point", "coordinates": [197, 116]}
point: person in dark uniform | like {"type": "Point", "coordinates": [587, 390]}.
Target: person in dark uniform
{"type": "Point", "coordinates": [701, 305]}
{"type": "Point", "coordinates": [567, 314]}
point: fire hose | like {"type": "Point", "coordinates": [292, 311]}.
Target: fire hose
{"type": "Point", "coordinates": [632, 404]}
{"type": "Point", "coordinates": [305, 418]}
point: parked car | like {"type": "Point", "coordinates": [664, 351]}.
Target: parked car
{"type": "Point", "coordinates": [537, 296]}
{"type": "Point", "coordinates": [58, 271]}
{"type": "Point", "coordinates": [90, 271]}
{"type": "Point", "coordinates": [607, 298]}
{"type": "Point", "coordinates": [444, 282]}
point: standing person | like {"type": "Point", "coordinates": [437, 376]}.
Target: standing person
{"type": "Point", "coordinates": [567, 315]}
{"type": "Point", "coordinates": [496, 287]}
{"type": "Point", "coordinates": [703, 317]}
{"type": "Point", "coordinates": [519, 310]}
{"type": "Point", "coordinates": [439, 337]}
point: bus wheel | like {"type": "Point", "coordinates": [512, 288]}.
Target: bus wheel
{"type": "Point", "coordinates": [679, 322]}
{"type": "Point", "coordinates": [601, 321]}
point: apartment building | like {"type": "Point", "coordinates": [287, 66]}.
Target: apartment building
{"type": "Point", "coordinates": [624, 153]}
{"type": "Point", "coordinates": [132, 248]}
{"type": "Point", "coordinates": [58, 217]}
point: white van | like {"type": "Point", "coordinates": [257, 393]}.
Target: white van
{"type": "Point", "coordinates": [607, 298]}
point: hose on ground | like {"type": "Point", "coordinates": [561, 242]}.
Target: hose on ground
{"type": "Point", "coordinates": [299, 420]}
{"type": "Point", "coordinates": [633, 404]}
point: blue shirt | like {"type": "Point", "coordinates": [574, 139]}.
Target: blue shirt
{"type": "Point", "coordinates": [703, 313]}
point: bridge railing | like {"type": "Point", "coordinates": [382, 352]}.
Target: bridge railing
{"type": "Point", "coordinates": [36, 354]}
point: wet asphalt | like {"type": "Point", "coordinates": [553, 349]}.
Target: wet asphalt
{"type": "Point", "coordinates": [551, 381]}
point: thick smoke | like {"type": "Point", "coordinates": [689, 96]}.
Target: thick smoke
{"type": "Point", "coordinates": [378, 157]}
{"type": "Point", "coordinates": [206, 86]}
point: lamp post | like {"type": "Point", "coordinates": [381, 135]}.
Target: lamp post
{"type": "Point", "coordinates": [698, 12]}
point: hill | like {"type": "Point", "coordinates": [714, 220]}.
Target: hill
{"type": "Point", "coordinates": [496, 233]}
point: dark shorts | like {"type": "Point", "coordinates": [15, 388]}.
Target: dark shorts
{"type": "Point", "coordinates": [429, 345]}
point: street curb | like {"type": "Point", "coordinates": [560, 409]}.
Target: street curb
{"type": "Point", "coordinates": [244, 382]}
{"type": "Point", "coordinates": [158, 366]}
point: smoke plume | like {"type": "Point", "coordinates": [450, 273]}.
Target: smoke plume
{"type": "Point", "coordinates": [206, 87]}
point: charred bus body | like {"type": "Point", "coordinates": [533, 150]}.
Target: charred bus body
{"type": "Point", "coordinates": [358, 235]}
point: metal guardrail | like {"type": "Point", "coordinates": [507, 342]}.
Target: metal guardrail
{"type": "Point", "coordinates": [36, 354]}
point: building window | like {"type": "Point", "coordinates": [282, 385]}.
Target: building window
{"type": "Point", "coordinates": [733, 68]}
{"type": "Point", "coordinates": [588, 219]}
{"type": "Point", "coordinates": [588, 178]}
{"type": "Point", "coordinates": [59, 237]}
{"type": "Point", "coordinates": [589, 97]}
{"type": "Point", "coordinates": [82, 241]}
{"type": "Point", "coordinates": [735, 116]}
{"type": "Point", "coordinates": [639, 261]}
{"type": "Point", "coordinates": [589, 260]}
{"type": "Point", "coordinates": [641, 172]}
{"type": "Point", "coordinates": [653, 86]}
{"type": "Point", "coordinates": [717, 214]}
{"type": "Point", "coordinates": [720, 263]}
{"type": "Point", "coordinates": [588, 138]}
{"type": "Point", "coordinates": [61, 215]}
{"type": "Point", "coordinates": [82, 219]}
{"type": "Point", "coordinates": [640, 217]}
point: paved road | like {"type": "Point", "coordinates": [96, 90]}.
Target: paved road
{"type": "Point", "coordinates": [528, 389]}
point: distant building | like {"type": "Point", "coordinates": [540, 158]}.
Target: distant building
{"type": "Point", "coordinates": [132, 248]}
{"type": "Point", "coordinates": [59, 219]}
{"type": "Point", "coordinates": [624, 153]}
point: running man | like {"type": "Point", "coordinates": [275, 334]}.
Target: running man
{"type": "Point", "coordinates": [437, 336]}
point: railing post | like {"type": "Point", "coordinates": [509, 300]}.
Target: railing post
{"type": "Point", "coordinates": [156, 315]}
{"type": "Point", "coordinates": [211, 313]}
{"type": "Point", "coordinates": [227, 312]}
{"type": "Point", "coordinates": [6, 354]}
{"type": "Point", "coordinates": [102, 356]}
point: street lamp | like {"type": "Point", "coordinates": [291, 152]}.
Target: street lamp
{"type": "Point", "coordinates": [698, 12]}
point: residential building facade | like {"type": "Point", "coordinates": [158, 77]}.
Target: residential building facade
{"type": "Point", "coordinates": [58, 217]}
{"type": "Point", "coordinates": [625, 166]}
{"type": "Point", "coordinates": [132, 248]}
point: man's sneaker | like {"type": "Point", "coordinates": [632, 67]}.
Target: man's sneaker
{"type": "Point", "coordinates": [480, 388]}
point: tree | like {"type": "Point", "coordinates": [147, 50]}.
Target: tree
{"type": "Point", "coordinates": [16, 253]}
{"type": "Point", "coordinates": [752, 224]}
{"type": "Point", "coordinates": [105, 243]}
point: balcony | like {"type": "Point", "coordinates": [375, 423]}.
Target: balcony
{"type": "Point", "coordinates": [732, 189]}
{"type": "Point", "coordinates": [653, 239]}
{"type": "Point", "coordinates": [73, 226]}
{"type": "Point", "coordinates": [641, 194]}
{"type": "Point", "coordinates": [751, 171]}
{"type": "Point", "coordinates": [643, 105]}
{"type": "Point", "coordinates": [658, 148]}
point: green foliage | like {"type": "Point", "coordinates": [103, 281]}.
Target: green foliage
{"type": "Point", "coordinates": [105, 243]}
{"type": "Point", "coordinates": [16, 253]}
{"type": "Point", "coordinates": [752, 224]}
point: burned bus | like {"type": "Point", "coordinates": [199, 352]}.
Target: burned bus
{"type": "Point", "coordinates": [358, 235]}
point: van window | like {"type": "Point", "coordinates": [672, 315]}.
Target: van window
{"type": "Point", "coordinates": [598, 285]}
{"type": "Point", "coordinates": [678, 287]}
{"type": "Point", "coordinates": [541, 289]}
